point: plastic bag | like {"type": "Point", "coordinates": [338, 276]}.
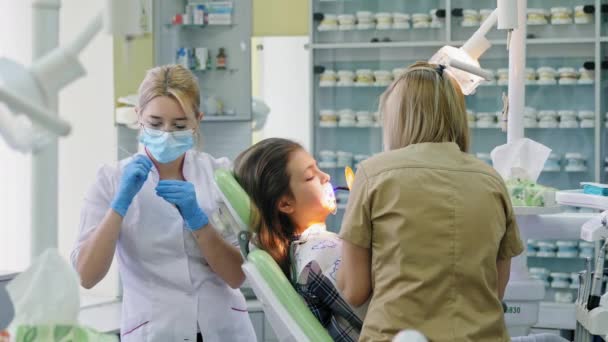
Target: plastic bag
{"type": "Point", "coordinates": [46, 298]}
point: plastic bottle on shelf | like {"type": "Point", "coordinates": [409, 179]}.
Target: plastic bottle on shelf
{"type": "Point", "coordinates": [220, 61]}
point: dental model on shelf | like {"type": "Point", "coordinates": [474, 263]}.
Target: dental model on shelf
{"type": "Point", "coordinates": [553, 163]}
{"type": "Point", "coordinates": [329, 159]}
{"type": "Point", "coordinates": [545, 75]}
{"type": "Point", "coordinates": [549, 119]}
{"type": "Point", "coordinates": [560, 15]}
{"type": "Point", "coordinates": [358, 78]}
{"type": "Point", "coordinates": [329, 118]}
{"type": "Point", "coordinates": [366, 20]}
{"type": "Point", "coordinates": [575, 162]}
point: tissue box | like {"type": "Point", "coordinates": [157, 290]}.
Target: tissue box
{"type": "Point", "coordinates": [525, 193]}
{"type": "Point", "coordinates": [60, 333]}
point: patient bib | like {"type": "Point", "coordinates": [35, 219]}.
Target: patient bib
{"type": "Point", "coordinates": [320, 246]}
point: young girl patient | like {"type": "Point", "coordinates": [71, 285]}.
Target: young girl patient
{"type": "Point", "coordinates": [292, 198]}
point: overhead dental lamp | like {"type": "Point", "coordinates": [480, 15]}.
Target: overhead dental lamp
{"type": "Point", "coordinates": [27, 120]}
{"type": "Point", "coordinates": [463, 63]}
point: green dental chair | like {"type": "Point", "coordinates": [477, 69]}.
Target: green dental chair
{"type": "Point", "coordinates": [287, 313]}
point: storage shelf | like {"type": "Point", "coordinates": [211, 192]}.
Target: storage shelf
{"type": "Point", "coordinates": [197, 25]}
{"type": "Point", "coordinates": [369, 45]}
{"type": "Point", "coordinates": [204, 71]}
{"type": "Point", "coordinates": [534, 128]}
{"type": "Point", "coordinates": [556, 257]}
{"type": "Point", "coordinates": [604, 39]}
{"type": "Point", "coordinates": [350, 127]}
{"type": "Point", "coordinates": [223, 118]}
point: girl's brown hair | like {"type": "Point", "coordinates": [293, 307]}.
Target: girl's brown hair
{"type": "Point", "coordinates": [262, 172]}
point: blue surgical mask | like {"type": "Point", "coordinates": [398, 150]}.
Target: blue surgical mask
{"type": "Point", "coordinates": [166, 147]}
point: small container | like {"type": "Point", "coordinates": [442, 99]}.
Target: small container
{"type": "Point", "coordinates": [328, 159]}
{"type": "Point", "coordinates": [546, 75]}
{"type": "Point", "coordinates": [530, 123]}
{"type": "Point", "coordinates": [346, 78]}
{"type": "Point", "coordinates": [486, 120]}
{"type": "Point", "coordinates": [384, 21]}
{"type": "Point", "coordinates": [586, 249]}
{"type": "Point", "coordinates": [328, 118]}
{"type": "Point", "coordinates": [421, 20]}
{"type": "Point", "coordinates": [199, 15]}
{"type": "Point", "coordinates": [399, 17]}
{"type": "Point", "coordinates": [575, 281]}
{"type": "Point", "coordinates": [503, 76]}
{"type": "Point", "coordinates": [383, 78]}
{"type": "Point", "coordinates": [553, 163]}
{"type": "Point", "coordinates": [329, 23]}
{"type": "Point", "coordinates": [365, 17]}
{"type": "Point", "coordinates": [586, 76]}
{"type": "Point", "coordinates": [560, 280]}
{"type": "Point", "coordinates": [346, 22]}
{"type": "Point", "coordinates": [587, 123]}
{"type": "Point", "coordinates": [365, 77]}
{"type": "Point", "coordinates": [221, 59]}
{"type": "Point", "coordinates": [344, 158]}
{"type": "Point", "coordinates": [531, 247]}
{"type": "Point", "coordinates": [586, 115]}
{"type": "Point", "coordinates": [567, 75]}
{"type": "Point", "coordinates": [364, 119]}
{"type": "Point", "coordinates": [401, 21]}
{"type": "Point", "coordinates": [436, 21]}
{"type": "Point", "coordinates": [530, 76]}
{"type": "Point", "coordinates": [346, 118]}
{"type": "Point", "coordinates": [567, 249]}
{"type": "Point", "coordinates": [470, 18]}
{"type": "Point", "coordinates": [537, 16]}
{"type": "Point", "coordinates": [328, 78]}
{"type": "Point", "coordinates": [568, 119]}
{"type": "Point", "coordinates": [365, 20]}
{"type": "Point", "coordinates": [530, 112]}
{"type": "Point", "coordinates": [564, 296]}
{"type": "Point", "coordinates": [398, 72]}
{"type": "Point", "coordinates": [484, 13]}
{"type": "Point", "coordinates": [580, 17]}
{"type": "Point", "coordinates": [547, 246]}
{"type": "Point", "coordinates": [561, 15]}
{"type": "Point", "coordinates": [575, 162]}
{"type": "Point", "coordinates": [548, 122]}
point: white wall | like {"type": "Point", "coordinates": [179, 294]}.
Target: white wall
{"type": "Point", "coordinates": [88, 104]}
{"type": "Point", "coordinates": [285, 88]}
{"type": "Point", "coordinates": [15, 25]}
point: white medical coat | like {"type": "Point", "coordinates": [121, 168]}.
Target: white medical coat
{"type": "Point", "coordinates": [168, 287]}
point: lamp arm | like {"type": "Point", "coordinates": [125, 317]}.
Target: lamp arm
{"type": "Point", "coordinates": [478, 43]}
{"type": "Point", "coordinates": [36, 113]}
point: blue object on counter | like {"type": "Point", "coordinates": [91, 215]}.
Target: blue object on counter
{"type": "Point", "coordinates": [595, 189]}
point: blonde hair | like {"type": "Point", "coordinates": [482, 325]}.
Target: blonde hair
{"type": "Point", "coordinates": [424, 104]}
{"type": "Point", "coordinates": [177, 82]}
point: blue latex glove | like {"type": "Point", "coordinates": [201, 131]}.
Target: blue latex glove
{"type": "Point", "coordinates": [133, 178]}
{"type": "Point", "coordinates": [182, 195]}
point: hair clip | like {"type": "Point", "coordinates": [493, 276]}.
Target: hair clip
{"type": "Point", "coordinates": [440, 69]}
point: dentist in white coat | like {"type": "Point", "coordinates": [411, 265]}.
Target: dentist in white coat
{"type": "Point", "coordinates": [180, 276]}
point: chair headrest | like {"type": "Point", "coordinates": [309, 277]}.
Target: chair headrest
{"type": "Point", "coordinates": [234, 194]}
